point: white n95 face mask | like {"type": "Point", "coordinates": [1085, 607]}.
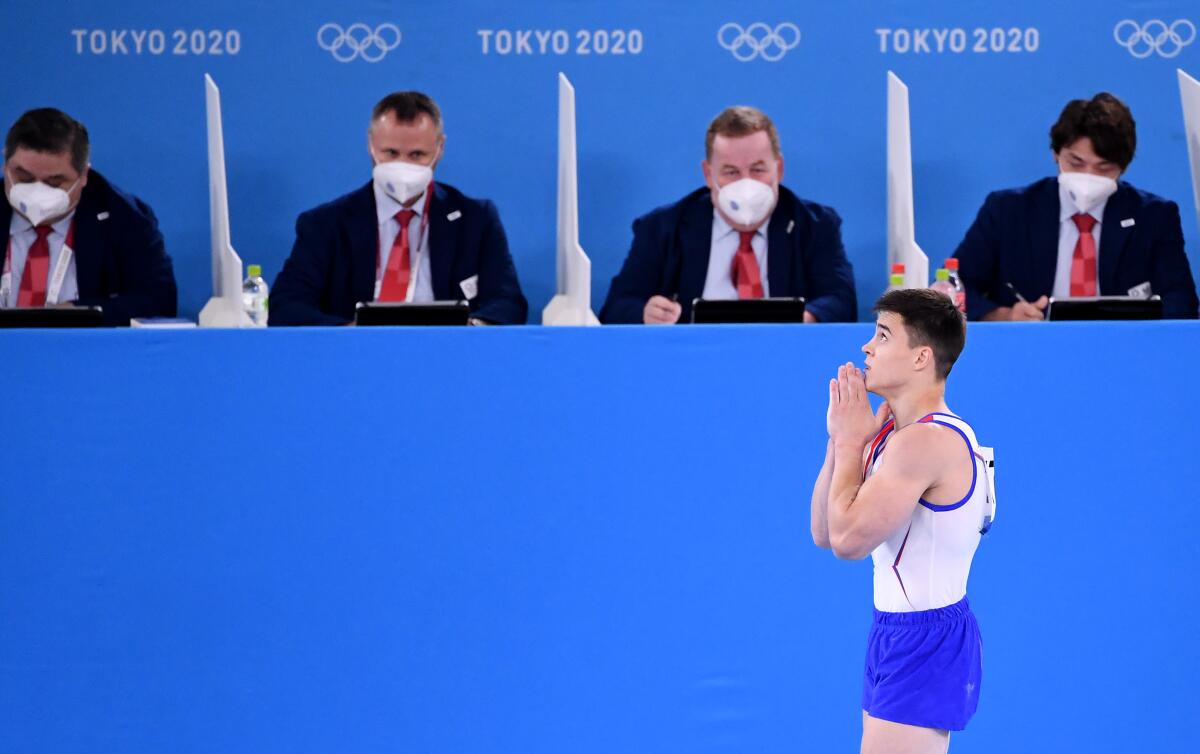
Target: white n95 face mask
{"type": "Point", "coordinates": [1087, 190]}
{"type": "Point", "coordinates": [402, 180]}
{"type": "Point", "coordinates": [39, 202]}
{"type": "Point", "coordinates": [747, 201]}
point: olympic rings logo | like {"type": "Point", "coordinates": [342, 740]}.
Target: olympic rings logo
{"type": "Point", "coordinates": [359, 41]}
{"type": "Point", "coordinates": [1144, 40]}
{"type": "Point", "coordinates": [759, 40]}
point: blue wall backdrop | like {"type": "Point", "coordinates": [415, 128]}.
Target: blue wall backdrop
{"type": "Point", "coordinates": [569, 541]}
{"type": "Point", "coordinates": [986, 79]}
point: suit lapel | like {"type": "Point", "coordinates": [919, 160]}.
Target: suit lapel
{"type": "Point", "coordinates": [6, 213]}
{"type": "Point", "coordinates": [88, 245]}
{"type": "Point", "coordinates": [362, 233]}
{"type": "Point", "coordinates": [780, 246]}
{"type": "Point", "coordinates": [1043, 237]}
{"type": "Point", "coordinates": [443, 242]}
{"type": "Point", "coordinates": [1114, 237]}
{"type": "Point", "coordinates": [692, 249]}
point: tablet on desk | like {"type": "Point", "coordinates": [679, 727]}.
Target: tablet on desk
{"type": "Point", "coordinates": [373, 313]}
{"type": "Point", "coordinates": [747, 310]}
{"type": "Point", "coordinates": [78, 316]}
{"type": "Point", "coordinates": [1104, 307]}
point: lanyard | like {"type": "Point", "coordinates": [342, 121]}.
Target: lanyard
{"type": "Point", "coordinates": [414, 258]}
{"type": "Point", "coordinates": [59, 274]}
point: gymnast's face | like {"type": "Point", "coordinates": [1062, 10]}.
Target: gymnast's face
{"type": "Point", "coordinates": [890, 357]}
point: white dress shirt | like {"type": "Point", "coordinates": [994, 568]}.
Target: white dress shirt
{"type": "Point", "coordinates": [725, 240]}
{"type": "Point", "coordinates": [386, 208]}
{"type": "Point", "coordinates": [21, 236]}
{"type": "Point", "coordinates": [1068, 236]}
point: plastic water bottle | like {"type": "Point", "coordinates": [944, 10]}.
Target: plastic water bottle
{"type": "Point", "coordinates": [942, 284]}
{"type": "Point", "coordinates": [960, 292]}
{"type": "Point", "coordinates": [895, 282]}
{"type": "Point", "coordinates": [254, 296]}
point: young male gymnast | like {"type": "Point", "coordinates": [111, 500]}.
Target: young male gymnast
{"type": "Point", "coordinates": [910, 486]}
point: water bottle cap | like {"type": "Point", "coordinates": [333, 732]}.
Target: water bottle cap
{"type": "Point", "coordinates": [942, 274]}
{"type": "Point", "coordinates": [951, 264]}
{"type": "Point", "coordinates": [254, 271]}
{"type": "Point", "coordinates": [898, 269]}
{"type": "Point", "coordinates": [897, 279]}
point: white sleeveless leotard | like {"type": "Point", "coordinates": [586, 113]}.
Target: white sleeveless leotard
{"type": "Point", "coordinates": [924, 564]}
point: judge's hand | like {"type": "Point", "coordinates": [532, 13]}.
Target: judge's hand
{"type": "Point", "coordinates": [661, 310]}
{"type": "Point", "coordinates": [1021, 311]}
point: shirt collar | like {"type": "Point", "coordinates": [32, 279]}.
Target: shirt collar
{"type": "Point", "coordinates": [21, 224]}
{"type": "Point", "coordinates": [386, 207]}
{"type": "Point", "coordinates": [1067, 208]}
{"type": "Point", "coordinates": [722, 228]}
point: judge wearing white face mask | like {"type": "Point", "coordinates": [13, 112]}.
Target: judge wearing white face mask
{"type": "Point", "coordinates": [73, 237]}
{"type": "Point", "coordinates": [403, 237]}
{"type": "Point", "coordinates": [743, 235]}
{"type": "Point", "coordinates": [1084, 232]}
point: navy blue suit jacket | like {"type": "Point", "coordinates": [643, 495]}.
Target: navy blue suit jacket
{"type": "Point", "coordinates": [671, 246]}
{"type": "Point", "coordinates": [121, 262]}
{"type": "Point", "coordinates": [1015, 240]}
{"type": "Point", "coordinates": [332, 265]}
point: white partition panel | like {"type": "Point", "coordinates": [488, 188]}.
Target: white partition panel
{"type": "Point", "coordinates": [1189, 97]}
{"type": "Point", "coordinates": [224, 309]}
{"type": "Point", "coordinates": [901, 234]}
{"type": "Point", "coordinates": [572, 303]}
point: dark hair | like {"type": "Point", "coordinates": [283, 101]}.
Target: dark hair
{"type": "Point", "coordinates": [407, 107]}
{"type": "Point", "coordinates": [740, 120]}
{"type": "Point", "coordinates": [1105, 120]}
{"type": "Point", "coordinates": [930, 319]}
{"type": "Point", "coordinates": [49, 131]}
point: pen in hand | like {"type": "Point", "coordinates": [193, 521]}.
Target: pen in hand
{"type": "Point", "coordinates": [1039, 306]}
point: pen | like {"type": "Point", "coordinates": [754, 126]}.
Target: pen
{"type": "Point", "coordinates": [1016, 293]}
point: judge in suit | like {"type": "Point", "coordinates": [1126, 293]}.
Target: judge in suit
{"type": "Point", "coordinates": [73, 237]}
{"type": "Point", "coordinates": [743, 235]}
{"type": "Point", "coordinates": [401, 237]}
{"type": "Point", "coordinates": [1082, 233]}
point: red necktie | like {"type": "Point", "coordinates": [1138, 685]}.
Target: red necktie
{"type": "Point", "coordinates": [37, 269]}
{"type": "Point", "coordinates": [745, 274]}
{"type": "Point", "coordinates": [399, 268]}
{"type": "Point", "coordinates": [1083, 263]}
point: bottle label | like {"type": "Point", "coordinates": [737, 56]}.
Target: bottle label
{"type": "Point", "coordinates": [253, 303]}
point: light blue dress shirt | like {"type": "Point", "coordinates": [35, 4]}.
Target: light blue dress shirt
{"type": "Point", "coordinates": [21, 236]}
{"type": "Point", "coordinates": [719, 282]}
{"type": "Point", "coordinates": [418, 248]}
{"type": "Point", "coordinates": [1068, 236]}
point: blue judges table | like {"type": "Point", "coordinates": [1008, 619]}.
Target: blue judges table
{"type": "Point", "coordinates": [546, 540]}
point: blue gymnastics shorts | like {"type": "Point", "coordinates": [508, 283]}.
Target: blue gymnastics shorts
{"type": "Point", "coordinates": [924, 668]}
